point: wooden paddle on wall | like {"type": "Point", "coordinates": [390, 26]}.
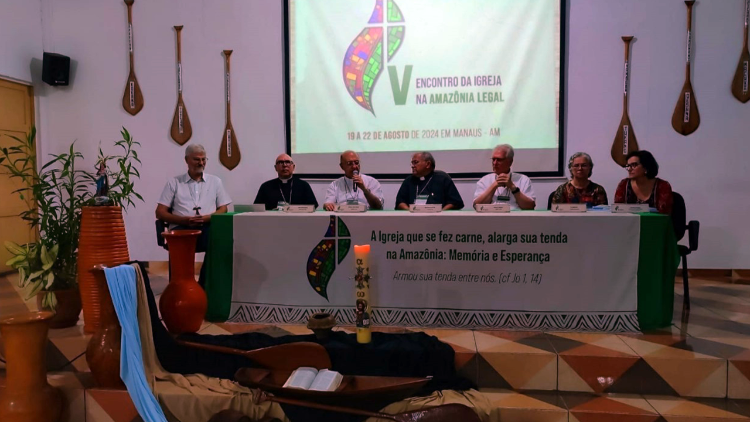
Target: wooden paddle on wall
{"type": "Point", "coordinates": [686, 119]}
{"type": "Point", "coordinates": [625, 141]}
{"type": "Point", "coordinates": [230, 149]}
{"type": "Point", "coordinates": [740, 84]}
{"type": "Point", "coordinates": [181, 128]}
{"type": "Point", "coordinates": [132, 100]}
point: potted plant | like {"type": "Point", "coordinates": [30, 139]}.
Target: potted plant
{"type": "Point", "coordinates": [102, 239]}
{"type": "Point", "coordinates": [57, 193]}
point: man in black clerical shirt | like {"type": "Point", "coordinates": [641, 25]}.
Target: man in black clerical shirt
{"type": "Point", "coordinates": [427, 186]}
{"type": "Point", "coordinates": [287, 188]}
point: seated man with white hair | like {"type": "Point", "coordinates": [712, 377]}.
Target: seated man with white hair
{"type": "Point", "coordinates": [193, 198]}
{"type": "Point", "coordinates": [502, 186]}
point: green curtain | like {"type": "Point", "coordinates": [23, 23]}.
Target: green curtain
{"type": "Point", "coordinates": [219, 267]}
{"type": "Point", "coordinates": [657, 264]}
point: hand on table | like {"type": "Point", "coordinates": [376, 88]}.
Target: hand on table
{"type": "Point", "coordinates": [329, 206]}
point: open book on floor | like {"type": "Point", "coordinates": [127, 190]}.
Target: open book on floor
{"type": "Point", "coordinates": [312, 379]}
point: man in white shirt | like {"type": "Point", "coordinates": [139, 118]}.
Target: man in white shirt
{"type": "Point", "coordinates": [502, 186]}
{"type": "Point", "coordinates": [193, 198]}
{"type": "Point", "coordinates": [353, 187]}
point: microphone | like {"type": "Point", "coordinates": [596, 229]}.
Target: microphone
{"type": "Point", "coordinates": [356, 173]}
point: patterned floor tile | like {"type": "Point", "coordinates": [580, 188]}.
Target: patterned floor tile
{"type": "Point", "coordinates": [511, 406]}
{"type": "Point", "coordinates": [619, 407]}
{"type": "Point", "coordinates": [707, 375]}
{"type": "Point", "coordinates": [677, 409]}
{"type": "Point", "coordinates": [594, 365]}
{"type": "Point", "coordinates": [518, 365]}
{"type": "Point", "coordinates": [110, 406]}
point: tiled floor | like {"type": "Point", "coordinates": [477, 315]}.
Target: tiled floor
{"type": "Point", "coordinates": [696, 370]}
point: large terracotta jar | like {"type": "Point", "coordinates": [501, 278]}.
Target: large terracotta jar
{"type": "Point", "coordinates": [103, 351]}
{"type": "Point", "coordinates": [183, 304]}
{"type": "Point", "coordinates": [102, 241]}
{"type": "Point", "coordinates": [27, 396]}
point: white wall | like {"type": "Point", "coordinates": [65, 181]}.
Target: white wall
{"type": "Point", "coordinates": [21, 35]}
{"type": "Point", "coordinates": [708, 167]}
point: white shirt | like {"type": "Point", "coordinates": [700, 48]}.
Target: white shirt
{"type": "Point", "coordinates": [342, 190]}
{"type": "Point", "coordinates": [183, 194]}
{"type": "Point", "coordinates": [521, 181]}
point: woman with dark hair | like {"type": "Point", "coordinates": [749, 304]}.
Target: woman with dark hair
{"type": "Point", "coordinates": [642, 186]}
{"type": "Point", "coordinates": [580, 190]}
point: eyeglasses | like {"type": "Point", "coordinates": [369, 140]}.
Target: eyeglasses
{"type": "Point", "coordinates": [284, 163]}
{"type": "Point", "coordinates": [496, 160]}
{"type": "Point", "coordinates": [352, 163]}
{"type": "Point", "coordinates": [632, 165]}
{"type": "Point", "coordinates": [415, 162]}
{"type": "Point", "coordinates": [581, 166]}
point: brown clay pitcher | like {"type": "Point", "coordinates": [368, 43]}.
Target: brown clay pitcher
{"type": "Point", "coordinates": [103, 351]}
{"type": "Point", "coordinates": [183, 304]}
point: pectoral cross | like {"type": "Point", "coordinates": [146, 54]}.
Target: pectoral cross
{"type": "Point", "coordinates": [197, 209]}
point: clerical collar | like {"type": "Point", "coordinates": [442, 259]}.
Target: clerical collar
{"type": "Point", "coordinates": [427, 177]}
{"type": "Point", "coordinates": [285, 180]}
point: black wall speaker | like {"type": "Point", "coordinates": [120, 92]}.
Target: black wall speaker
{"type": "Point", "coordinates": [56, 69]}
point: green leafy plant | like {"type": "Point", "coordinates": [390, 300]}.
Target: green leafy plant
{"type": "Point", "coordinates": [56, 194]}
{"type": "Point", "coordinates": [121, 191]}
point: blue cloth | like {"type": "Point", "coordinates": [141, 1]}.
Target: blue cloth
{"type": "Point", "coordinates": [122, 287]}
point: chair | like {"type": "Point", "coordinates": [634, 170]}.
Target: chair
{"type": "Point", "coordinates": [549, 200]}
{"type": "Point", "coordinates": [161, 227]}
{"type": "Point", "coordinates": [679, 217]}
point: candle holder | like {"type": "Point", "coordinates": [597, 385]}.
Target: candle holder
{"type": "Point", "coordinates": [321, 323]}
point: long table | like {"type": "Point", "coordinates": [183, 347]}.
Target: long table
{"type": "Point", "coordinates": [535, 270]}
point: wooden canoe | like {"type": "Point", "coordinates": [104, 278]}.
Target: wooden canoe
{"type": "Point", "coordinates": [355, 390]}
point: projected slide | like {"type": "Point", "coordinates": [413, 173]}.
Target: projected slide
{"type": "Point", "coordinates": [455, 77]}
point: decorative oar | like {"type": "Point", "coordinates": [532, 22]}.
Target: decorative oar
{"type": "Point", "coordinates": [444, 413]}
{"type": "Point", "coordinates": [181, 128]}
{"type": "Point", "coordinates": [132, 100]}
{"type": "Point", "coordinates": [625, 141]}
{"type": "Point", "coordinates": [686, 119]}
{"type": "Point", "coordinates": [230, 149]}
{"type": "Point", "coordinates": [288, 356]}
{"type": "Point", "coordinates": [740, 88]}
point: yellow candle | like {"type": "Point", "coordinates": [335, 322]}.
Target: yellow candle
{"type": "Point", "coordinates": [362, 292]}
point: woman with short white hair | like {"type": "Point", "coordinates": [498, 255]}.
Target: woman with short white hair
{"type": "Point", "coordinates": [580, 190]}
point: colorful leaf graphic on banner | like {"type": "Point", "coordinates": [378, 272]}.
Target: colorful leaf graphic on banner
{"type": "Point", "coordinates": [364, 60]}
{"type": "Point", "coordinates": [322, 260]}
{"type": "Point", "coordinates": [343, 230]}
{"type": "Point", "coordinates": [344, 245]}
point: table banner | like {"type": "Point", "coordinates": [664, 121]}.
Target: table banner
{"type": "Point", "coordinates": [455, 269]}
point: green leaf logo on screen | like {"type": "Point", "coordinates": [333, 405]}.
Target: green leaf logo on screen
{"type": "Point", "coordinates": [370, 51]}
{"type": "Point", "coordinates": [323, 259]}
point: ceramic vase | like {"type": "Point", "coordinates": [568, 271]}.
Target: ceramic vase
{"type": "Point", "coordinates": [27, 396]}
{"type": "Point", "coordinates": [183, 304]}
{"type": "Point", "coordinates": [102, 242]}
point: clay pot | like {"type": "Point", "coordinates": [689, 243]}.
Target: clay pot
{"type": "Point", "coordinates": [67, 310]}
{"type": "Point", "coordinates": [183, 304]}
{"type": "Point", "coordinates": [321, 323]}
{"type": "Point", "coordinates": [102, 241]}
{"type": "Point", "coordinates": [103, 351]}
{"type": "Point", "coordinates": [27, 396]}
